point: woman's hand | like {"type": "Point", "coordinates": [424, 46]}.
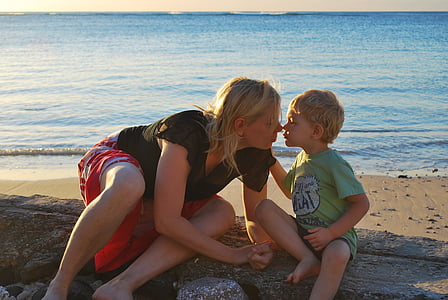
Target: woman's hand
{"type": "Point", "coordinates": [261, 255]}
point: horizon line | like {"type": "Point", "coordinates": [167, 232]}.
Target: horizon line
{"type": "Point", "coordinates": [211, 11]}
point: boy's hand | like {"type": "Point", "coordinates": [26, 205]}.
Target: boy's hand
{"type": "Point", "coordinates": [261, 256]}
{"type": "Point", "coordinates": [319, 237]}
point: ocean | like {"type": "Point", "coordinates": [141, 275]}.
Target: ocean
{"type": "Point", "coordinates": [69, 79]}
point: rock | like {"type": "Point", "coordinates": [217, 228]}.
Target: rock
{"type": "Point", "coordinates": [211, 288]}
{"type": "Point", "coordinates": [4, 295]}
{"type": "Point", "coordinates": [14, 290]}
{"type": "Point", "coordinates": [79, 290]}
{"type": "Point", "coordinates": [34, 232]}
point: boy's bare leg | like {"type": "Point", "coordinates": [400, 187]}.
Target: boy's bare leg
{"type": "Point", "coordinates": [122, 187]}
{"type": "Point", "coordinates": [214, 219]}
{"type": "Point", "coordinates": [283, 230]}
{"type": "Point", "coordinates": [334, 261]}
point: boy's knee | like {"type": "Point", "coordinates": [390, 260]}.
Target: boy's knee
{"type": "Point", "coordinates": [338, 254]}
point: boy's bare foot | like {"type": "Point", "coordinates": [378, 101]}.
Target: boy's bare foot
{"type": "Point", "coordinates": [307, 267]}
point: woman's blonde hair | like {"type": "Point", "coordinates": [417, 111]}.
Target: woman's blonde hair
{"type": "Point", "coordinates": [321, 107]}
{"type": "Point", "coordinates": [240, 97]}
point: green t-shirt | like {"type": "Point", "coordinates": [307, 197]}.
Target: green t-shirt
{"type": "Point", "coordinates": [319, 184]}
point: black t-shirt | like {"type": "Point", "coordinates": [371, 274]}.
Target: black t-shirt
{"type": "Point", "coordinates": [188, 130]}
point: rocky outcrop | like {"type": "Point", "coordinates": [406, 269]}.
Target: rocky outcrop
{"type": "Point", "coordinates": [34, 231]}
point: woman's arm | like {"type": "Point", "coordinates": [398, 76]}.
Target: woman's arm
{"type": "Point", "coordinates": [262, 254]}
{"type": "Point", "coordinates": [251, 199]}
{"type": "Point", "coordinates": [279, 175]}
{"type": "Point", "coordinates": [169, 193]}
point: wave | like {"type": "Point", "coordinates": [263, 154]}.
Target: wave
{"type": "Point", "coordinates": [278, 151]}
{"type": "Point", "coordinates": [258, 13]}
{"type": "Point", "coordinates": [407, 130]}
{"type": "Point", "coordinates": [82, 151]}
{"type": "Point", "coordinates": [43, 151]}
{"type": "Point", "coordinates": [293, 152]}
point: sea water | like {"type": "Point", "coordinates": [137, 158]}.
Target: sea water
{"type": "Point", "coordinates": [69, 79]}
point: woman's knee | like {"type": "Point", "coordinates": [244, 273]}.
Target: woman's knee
{"type": "Point", "coordinates": [215, 218]}
{"type": "Point", "coordinates": [226, 210]}
{"type": "Point", "coordinates": [221, 210]}
{"type": "Point", "coordinates": [123, 181]}
{"type": "Point", "coordinates": [264, 208]}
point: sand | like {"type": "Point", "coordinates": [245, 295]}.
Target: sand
{"type": "Point", "coordinates": [407, 206]}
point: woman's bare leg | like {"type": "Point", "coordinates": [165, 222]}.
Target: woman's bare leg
{"type": "Point", "coordinates": [334, 261]}
{"type": "Point", "coordinates": [122, 187]}
{"type": "Point", "coordinates": [283, 230]}
{"type": "Point", "coordinates": [214, 219]}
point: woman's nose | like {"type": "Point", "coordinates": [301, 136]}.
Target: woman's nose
{"type": "Point", "coordinates": [279, 127]}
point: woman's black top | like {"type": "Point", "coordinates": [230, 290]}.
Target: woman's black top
{"type": "Point", "coordinates": [188, 130]}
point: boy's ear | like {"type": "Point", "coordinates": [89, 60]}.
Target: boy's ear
{"type": "Point", "coordinates": [318, 131]}
{"type": "Point", "coordinates": [239, 125]}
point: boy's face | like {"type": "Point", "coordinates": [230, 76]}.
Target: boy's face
{"type": "Point", "coordinates": [298, 130]}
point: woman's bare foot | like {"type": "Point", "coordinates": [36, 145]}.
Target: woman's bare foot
{"type": "Point", "coordinates": [307, 267]}
{"type": "Point", "coordinates": [56, 291]}
{"type": "Point", "coordinates": [112, 290]}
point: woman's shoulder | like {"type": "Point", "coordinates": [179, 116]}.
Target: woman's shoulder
{"type": "Point", "coordinates": [186, 121]}
{"type": "Point", "coordinates": [186, 116]}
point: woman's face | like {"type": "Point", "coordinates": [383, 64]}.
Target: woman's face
{"type": "Point", "coordinates": [262, 132]}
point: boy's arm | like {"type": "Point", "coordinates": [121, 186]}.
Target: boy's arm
{"type": "Point", "coordinates": [320, 237]}
{"type": "Point", "coordinates": [358, 208]}
{"type": "Point", "coordinates": [279, 175]}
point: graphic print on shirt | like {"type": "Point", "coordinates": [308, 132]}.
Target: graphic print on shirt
{"type": "Point", "coordinates": [305, 198]}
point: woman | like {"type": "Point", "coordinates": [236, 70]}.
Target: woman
{"type": "Point", "coordinates": [151, 191]}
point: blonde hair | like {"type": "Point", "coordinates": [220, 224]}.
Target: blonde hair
{"type": "Point", "coordinates": [240, 97]}
{"type": "Point", "coordinates": [321, 107]}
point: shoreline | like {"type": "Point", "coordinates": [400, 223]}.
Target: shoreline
{"type": "Point", "coordinates": [64, 171]}
{"type": "Point", "coordinates": [412, 206]}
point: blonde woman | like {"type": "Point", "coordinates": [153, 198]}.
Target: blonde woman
{"type": "Point", "coordinates": [151, 191]}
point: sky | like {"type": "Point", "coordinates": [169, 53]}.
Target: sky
{"type": "Point", "coordinates": [221, 5]}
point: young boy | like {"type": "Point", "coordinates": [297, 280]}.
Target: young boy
{"type": "Point", "coordinates": [327, 198]}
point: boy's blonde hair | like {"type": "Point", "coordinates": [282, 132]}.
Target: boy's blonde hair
{"type": "Point", "coordinates": [321, 107]}
{"type": "Point", "coordinates": [240, 97]}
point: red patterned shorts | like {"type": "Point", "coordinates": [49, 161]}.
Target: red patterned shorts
{"type": "Point", "coordinates": [123, 246]}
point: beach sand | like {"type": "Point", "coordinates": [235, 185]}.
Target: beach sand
{"type": "Point", "coordinates": [408, 206]}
